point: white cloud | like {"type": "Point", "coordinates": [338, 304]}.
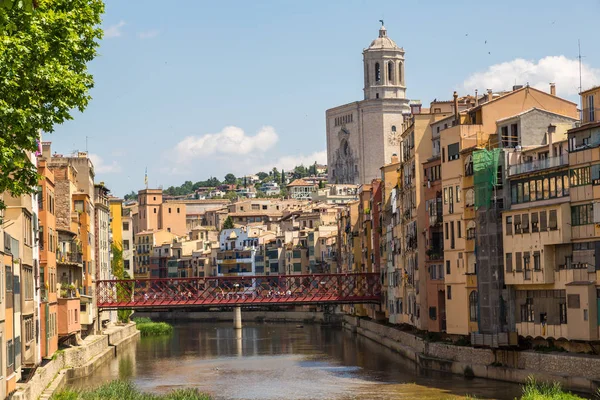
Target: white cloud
{"type": "Point", "coordinates": [231, 141]}
{"type": "Point", "coordinates": [114, 31]}
{"type": "Point", "coordinates": [100, 167]}
{"type": "Point", "coordinates": [558, 69]}
{"type": "Point", "coordinates": [287, 163]}
{"type": "Point", "coordinates": [148, 34]}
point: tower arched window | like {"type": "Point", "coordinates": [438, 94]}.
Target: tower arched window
{"type": "Point", "coordinates": [391, 72]}
{"type": "Point", "coordinates": [400, 73]}
{"type": "Point", "coordinates": [393, 128]}
{"type": "Point", "coordinates": [377, 72]}
{"type": "Point", "coordinates": [473, 298]}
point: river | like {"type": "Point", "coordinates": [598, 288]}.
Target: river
{"type": "Point", "coordinates": [283, 361]}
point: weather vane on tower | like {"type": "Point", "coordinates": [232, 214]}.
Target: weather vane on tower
{"type": "Point", "coordinates": [381, 22]}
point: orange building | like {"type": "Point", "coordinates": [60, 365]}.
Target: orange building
{"type": "Point", "coordinates": [47, 245]}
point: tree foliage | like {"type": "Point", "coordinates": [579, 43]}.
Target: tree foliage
{"type": "Point", "coordinates": [124, 289]}
{"type": "Point", "coordinates": [131, 196]}
{"type": "Point", "coordinates": [230, 179]}
{"type": "Point", "coordinates": [44, 52]}
{"type": "Point", "coordinates": [228, 223]}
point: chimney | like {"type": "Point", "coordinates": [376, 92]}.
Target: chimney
{"type": "Point", "coordinates": [490, 95]}
{"type": "Point", "coordinates": [46, 150]}
{"type": "Point", "coordinates": [455, 106]}
{"type": "Point", "coordinates": [551, 131]}
{"type": "Point", "coordinates": [553, 88]}
{"type": "Point", "coordinates": [476, 98]}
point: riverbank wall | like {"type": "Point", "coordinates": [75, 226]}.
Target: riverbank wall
{"type": "Point", "coordinates": [579, 372]}
{"type": "Point", "coordinates": [247, 316]}
{"type": "Point", "coordinates": [76, 362]}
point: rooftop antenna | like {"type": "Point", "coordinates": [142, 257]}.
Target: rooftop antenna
{"type": "Point", "coordinates": [579, 57]}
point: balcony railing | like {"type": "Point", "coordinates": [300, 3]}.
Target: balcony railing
{"type": "Point", "coordinates": [538, 165]}
{"type": "Point", "coordinates": [69, 257]}
{"type": "Point", "coordinates": [590, 115]}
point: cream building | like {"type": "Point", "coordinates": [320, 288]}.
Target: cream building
{"type": "Point", "coordinates": [363, 135]}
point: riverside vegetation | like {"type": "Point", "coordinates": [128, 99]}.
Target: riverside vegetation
{"type": "Point", "coordinates": [125, 390]}
{"type": "Point", "coordinates": [147, 327]}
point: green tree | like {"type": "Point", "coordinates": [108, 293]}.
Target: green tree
{"type": "Point", "coordinates": [131, 196]}
{"type": "Point", "coordinates": [228, 223]}
{"type": "Point", "coordinates": [45, 47]}
{"type": "Point", "coordinates": [231, 195]}
{"type": "Point", "coordinates": [276, 175]}
{"type": "Point", "coordinates": [230, 179]}
{"type": "Point", "coordinates": [262, 175]}
{"type": "Point", "coordinates": [321, 184]}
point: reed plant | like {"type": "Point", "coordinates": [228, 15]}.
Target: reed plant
{"type": "Point", "coordinates": [125, 390]}
{"type": "Point", "coordinates": [147, 327]}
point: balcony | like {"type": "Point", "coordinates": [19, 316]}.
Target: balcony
{"type": "Point", "coordinates": [69, 257]}
{"type": "Point", "coordinates": [68, 316]}
{"type": "Point", "coordinates": [538, 165]}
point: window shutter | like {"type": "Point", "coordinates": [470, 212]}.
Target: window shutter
{"type": "Point", "coordinates": [596, 206]}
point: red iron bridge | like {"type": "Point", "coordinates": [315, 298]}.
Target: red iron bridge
{"type": "Point", "coordinates": [235, 291]}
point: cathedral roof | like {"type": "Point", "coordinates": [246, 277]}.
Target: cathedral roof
{"type": "Point", "coordinates": [383, 41]}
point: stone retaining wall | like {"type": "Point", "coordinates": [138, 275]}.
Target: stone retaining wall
{"type": "Point", "coordinates": [579, 372]}
{"type": "Point", "coordinates": [77, 361]}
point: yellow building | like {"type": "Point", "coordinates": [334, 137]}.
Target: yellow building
{"type": "Point", "coordinates": [116, 220]}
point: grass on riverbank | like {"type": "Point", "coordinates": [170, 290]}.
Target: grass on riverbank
{"type": "Point", "coordinates": [534, 390]}
{"type": "Point", "coordinates": [147, 327]}
{"type": "Point", "coordinates": [124, 390]}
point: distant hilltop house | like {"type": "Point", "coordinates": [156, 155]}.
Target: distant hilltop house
{"type": "Point", "coordinates": [301, 189]}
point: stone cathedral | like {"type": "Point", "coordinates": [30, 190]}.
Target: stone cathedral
{"type": "Point", "coordinates": [363, 135]}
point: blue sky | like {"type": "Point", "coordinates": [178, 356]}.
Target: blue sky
{"type": "Point", "coordinates": [257, 76]}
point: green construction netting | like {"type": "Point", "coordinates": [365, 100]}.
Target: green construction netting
{"type": "Point", "coordinates": [485, 168]}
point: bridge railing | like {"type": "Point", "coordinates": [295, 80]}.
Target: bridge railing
{"type": "Point", "coordinates": [239, 290]}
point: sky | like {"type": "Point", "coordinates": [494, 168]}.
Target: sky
{"type": "Point", "coordinates": [193, 89]}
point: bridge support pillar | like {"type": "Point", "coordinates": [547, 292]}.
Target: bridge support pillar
{"type": "Point", "coordinates": [237, 318]}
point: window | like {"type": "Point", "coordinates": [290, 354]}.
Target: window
{"type": "Point", "coordinates": [125, 226]}
{"type": "Point", "coordinates": [27, 282]}
{"type": "Point", "coordinates": [514, 133]}
{"type": "Point", "coordinates": [527, 312]}
{"type": "Point", "coordinates": [453, 151]}
{"type": "Point", "coordinates": [534, 222]}
{"type": "Point", "coordinates": [155, 210]}
{"type": "Point", "coordinates": [470, 198]}
{"type": "Point", "coordinates": [391, 72]}
{"type": "Point", "coordinates": [473, 305]}
{"type": "Point", "coordinates": [469, 165]}
{"type": "Point", "coordinates": [177, 210]}
{"type": "Point", "coordinates": [449, 292]}
{"type": "Point", "coordinates": [445, 195]}
{"type": "Point", "coordinates": [517, 224]}
{"type": "Point", "coordinates": [125, 244]}
{"type": "Point", "coordinates": [447, 234]}
{"type": "Point", "coordinates": [543, 220]}
{"type": "Point", "coordinates": [450, 200]}
{"type": "Point", "coordinates": [509, 230]}
{"type": "Point", "coordinates": [526, 261]}
{"type": "Point", "coordinates": [580, 215]}
{"type": "Point", "coordinates": [508, 263]}
{"type": "Point", "coordinates": [29, 329]}
{"type": "Point", "coordinates": [458, 194]}
{"type": "Point", "coordinates": [432, 313]}
{"type": "Point", "coordinates": [447, 267]}
{"type": "Point", "coordinates": [552, 223]}
{"type": "Point", "coordinates": [27, 229]}
{"type": "Point", "coordinates": [525, 223]}
{"type": "Point", "coordinates": [536, 261]}
{"type": "Point", "coordinates": [377, 72]}
{"type": "Point", "coordinates": [562, 311]}
{"type": "Point", "coordinates": [580, 176]}
{"type": "Point", "coordinates": [169, 210]}
{"type": "Point", "coordinates": [459, 228]}
{"type": "Point", "coordinates": [573, 301]}
{"type": "Point", "coordinates": [518, 262]}
{"type": "Point", "coordinates": [10, 354]}
{"type": "Point", "coordinates": [451, 234]}
{"type": "Point", "coordinates": [585, 314]}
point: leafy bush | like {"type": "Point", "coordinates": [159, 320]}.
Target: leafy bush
{"type": "Point", "coordinates": [147, 327]}
{"type": "Point", "coordinates": [534, 390]}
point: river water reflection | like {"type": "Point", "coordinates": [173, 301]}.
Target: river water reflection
{"type": "Point", "coordinates": [283, 361]}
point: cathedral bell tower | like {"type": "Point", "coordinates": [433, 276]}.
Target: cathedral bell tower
{"type": "Point", "coordinates": [384, 69]}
